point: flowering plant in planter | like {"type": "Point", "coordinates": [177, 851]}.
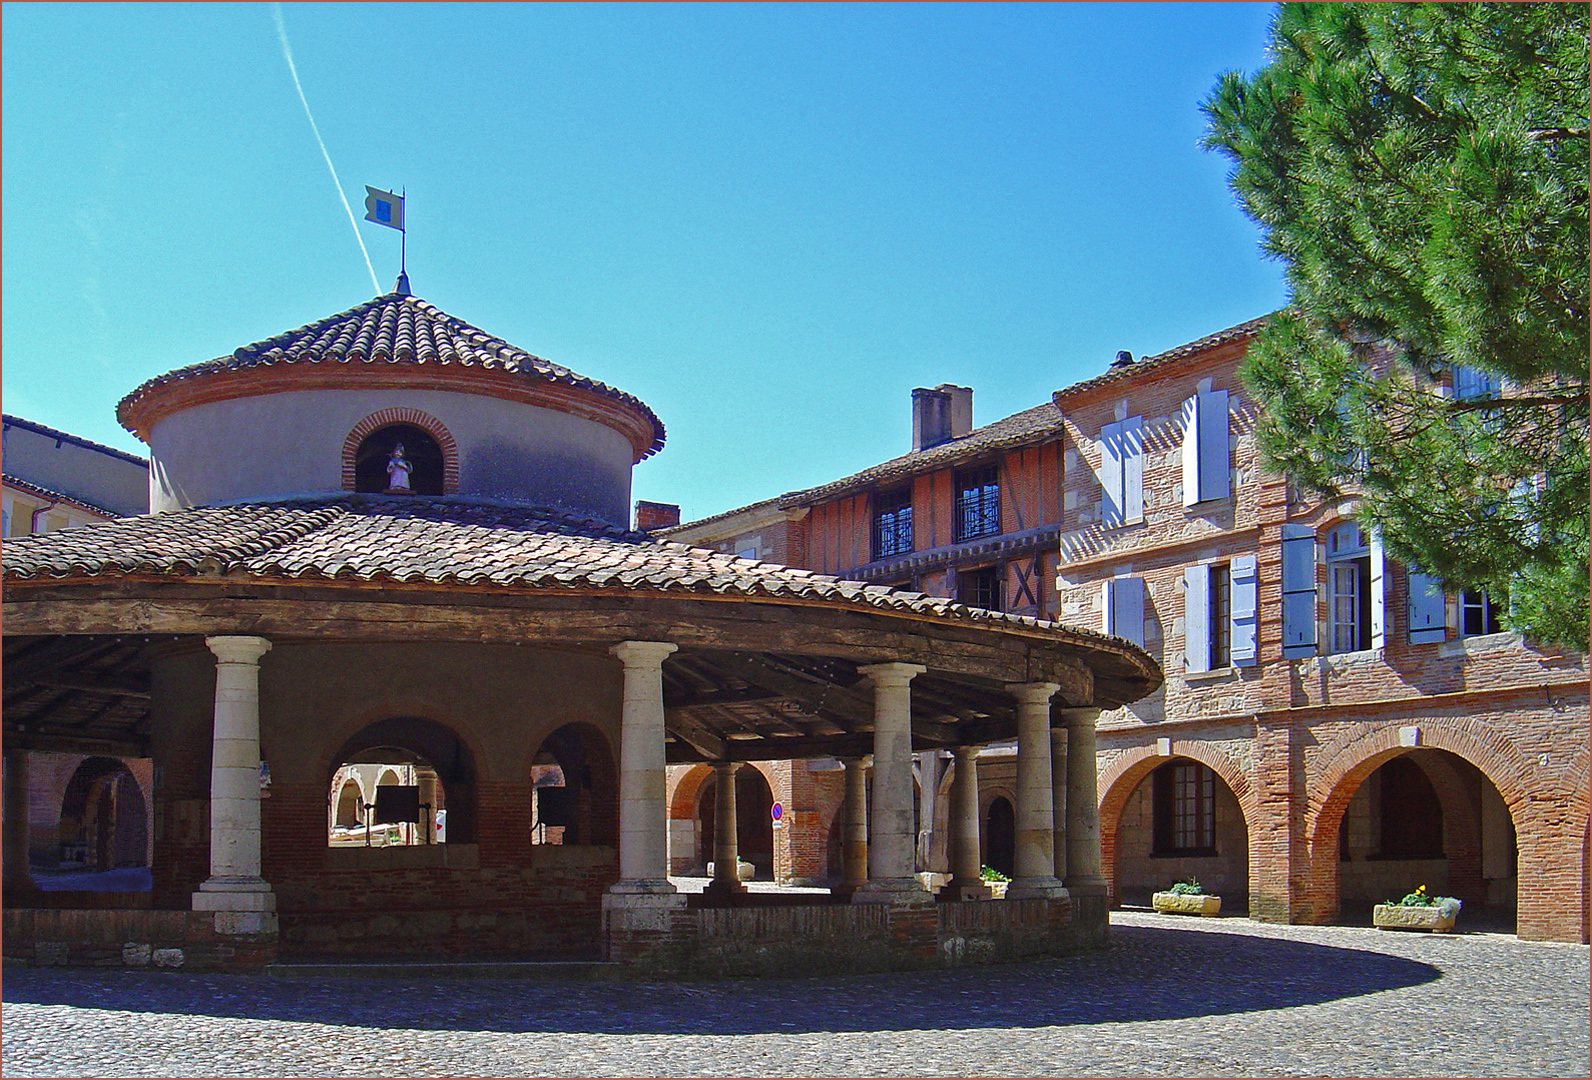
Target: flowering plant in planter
{"type": "Point", "coordinates": [1186, 898]}
{"type": "Point", "coordinates": [1418, 910]}
{"type": "Point", "coordinates": [1191, 887]}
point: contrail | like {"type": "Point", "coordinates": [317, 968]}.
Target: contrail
{"type": "Point", "coordinates": [287, 53]}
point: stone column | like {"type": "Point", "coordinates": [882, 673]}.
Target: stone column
{"type": "Point", "coordinates": [241, 898]}
{"type": "Point", "coordinates": [1083, 806]}
{"type": "Point", "coordinates": [1036, 828]}
{"type": "Point", "coordinates": [891, 841]}
{"type": "Point", "coordinates": [643, 813]}
{"type": "Point", "coordinates": [726, 848]}
{"type": "Point", "coordinates": [854, 828]}
{"type": "Point", "coordinates": [1058, 797]}
{"type": "Point", "coordinates": [15, 810]}
{"type": "Point", "coordinates": [967, 881]}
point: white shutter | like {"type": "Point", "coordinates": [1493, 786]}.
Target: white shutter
{"type": "Point", "coordinates": [1122, 608]}
{"type": "Point", "coordinates": [1191, 451]}
{"type": "Point", "coordinates": [1378, 594]}
{"type": "Point", "coordinates": [1108, 609]}
{"type": "Point", "coordinates": [1427, 606]}
{"type": "Point", "coordinates": [1245, 583]}
{"type": "Point", "coordinates": [1197, 618]}
{"type": "Point", "coordinates": [1111, 509]}
{"type": "Point", "coordinates": [1133, 470]}
{"type": "Point", "coordinates": [1215, 456]}
{"type": "Point", "coordinates": [1298, 591]}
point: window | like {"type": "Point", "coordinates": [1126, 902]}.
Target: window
{"type": "Point", "coordinates": [1477, 615]}
{"type": "Point", "coordinates": [892, 523]}
{"type": "Point", "coordinates": [1219, 608]}
{"type": "Point", "coordinates": [1206, 454]}
{"type": "Point", "coordinates": [1298, 591]}
{"type": "Point", "coordinates": [1122, 472]}
{"type": "Point", "coordinates": [980, 588]}
{"type": "Point", "coordinates": [1348, 589]}
{"type": "Point", "coordinates": [1183, 798]}
{"type": "Point", "coordinates": [978, 503]}
{"type": "Point", "coordinates": [1221, 629]}
{"type": "Point", "coordinates": [1426, 604]}
{"type": "Point", "coordinates": [1474, 384]}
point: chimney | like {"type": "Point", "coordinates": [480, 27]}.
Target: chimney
{"type": "Point", "coordinates": [651, 516]}
{"type": "Point", "coordinates": [1124, 359]}
{"type": "Point", "coordinates": [941, 414]}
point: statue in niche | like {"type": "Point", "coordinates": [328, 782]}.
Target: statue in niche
{"type": "Point", "coordinates": [398, 470]}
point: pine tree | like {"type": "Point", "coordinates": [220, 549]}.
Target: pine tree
{"type": "Point", "coordinates": [1421, 169]}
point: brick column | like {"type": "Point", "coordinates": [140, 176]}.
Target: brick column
{"type": "Point", "coordinates": [1083, 805]}
{"type": "Point", "coordinates": [15, 811]}
{"type": "Point", "coordinates": [726, 847]}
{"type": "Point", "coordinates": [1058, 797]}
{"type": "Point", "coordinates": [1278, 861]}
{"type": "Point", "coordinates": [643, 814]}
{"type": "Point", "coordinates": [235, 891]}
{"type": "Point", "coordinates": [967, 882]}
{"type": "Point", "coordinates": [1035, 861]}
{"type": "Point", "coordinates": [854, 828]}
{"type": "Point", "coordinates": [891, 845]}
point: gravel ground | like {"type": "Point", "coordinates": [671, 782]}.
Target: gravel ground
{"type": "Point", "coordinates": [1169, 997]}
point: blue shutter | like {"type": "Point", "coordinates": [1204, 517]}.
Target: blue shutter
{"type": "Point", "coordinates": [1245, 601]}
{"type": "Point", "coordinates": [1378, 593]}
{"type": "Point", "coordinates": [1197, 618]}
{"type": "Point", "coordinates": [1122, 608]}
{"type": "Point", "coordinates": [1111, 508]}
{"type": "Point", "coordinates": [1191, 450]}
{"type": "Point", "coordinates": [1214, 452]}
{"type": "Point", "coordinates": [1426, 610]}
{"type": "Point", "coordinates": [1133, 470]}
{"type": "Point", "coordinates": [1298, 591]}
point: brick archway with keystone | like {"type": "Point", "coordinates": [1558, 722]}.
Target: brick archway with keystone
{"type": "Point", "coordinates": [1125, 774]}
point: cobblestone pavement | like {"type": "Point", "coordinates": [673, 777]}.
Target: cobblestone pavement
{"type": "Point", "coordinates": [1169, 997]}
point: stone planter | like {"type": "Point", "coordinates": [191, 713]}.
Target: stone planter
{"type": "Point", "coordinates": [1177, 904]}
{"type": "Point", "coordinates": [997, 889]}
{"type": "Point", "coordinates": [1398, 917]}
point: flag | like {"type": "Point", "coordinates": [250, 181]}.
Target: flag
{"type": "Point", "coordinates": [384, 208]}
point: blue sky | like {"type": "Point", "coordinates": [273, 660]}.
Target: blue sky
{"type": "Point", "coordinates": [769, 222]}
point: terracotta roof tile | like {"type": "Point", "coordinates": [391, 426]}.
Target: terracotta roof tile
{"type": "Point", "coordinates": [1129, 371]}
{"type": "Point", "coordinates": [395, 329]}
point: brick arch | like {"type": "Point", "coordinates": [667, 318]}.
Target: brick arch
{"type": "Point", "coordinates": [682, 804]}
{"type": "Point", "coordinates": [398, 415]}
{"type": "Point", "coordinates": [1128, 772]}
{"type": "Point", "coordinates": [1358, 757]}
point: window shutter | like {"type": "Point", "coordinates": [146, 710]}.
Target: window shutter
{"type": "Point", "coordinates": [1191, 451]}
{"type": "Point", "coordinates": [1133, 470]}
{"type": "Point", "coordinates": [1111, 508]}
{"type": "Point", "coordinates": [1108, 610]}
{"type": "Point", "coordinates": [1298, 591]}
{"type": "Point", "coordinates": [1122, 608]}
{"type": "Point", "coordinates": [1244, 605]}
{"type": "Point", "coordinates": [1427, 605]}
{"type": "Point", "coordinates": [1197, 618]}
{"type": "Point", "coordinates": [1215, 455]}
{"type": "Point", "coordinates": [1378, 594]}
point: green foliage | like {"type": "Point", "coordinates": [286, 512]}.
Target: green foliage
{"type": "Point", "coordinates": [1422, 171]}
{"type": "Point", "coordinates": [989, 873]}
{"type": "Point", "coordinates": [1191, 887]}
{"type": "Point", "coordinates": [1421, 898]}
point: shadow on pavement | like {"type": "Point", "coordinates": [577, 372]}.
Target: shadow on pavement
{"type": "Point", "coordinates": [1147, 973]}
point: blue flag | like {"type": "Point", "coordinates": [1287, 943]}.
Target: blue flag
{"type": "Point", "coordinates": [384, 208]}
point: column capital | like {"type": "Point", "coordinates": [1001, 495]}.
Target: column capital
{"type": "Point", "coordinates": [238, 648]}
{"type": "Point", "coordinates": [727, 767]}
{"type": "Point", "coordinates": [1038, 693]}
{"type": "Point", "coordinates": [643, 653]}
{"type": "Point", "coordinates": [1076, 717]}
{"type": "Point", "coordinates": [893, 674]}
{"type": "Point", "coordinates": [968, 753]}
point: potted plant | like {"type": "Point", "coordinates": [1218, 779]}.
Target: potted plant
{"type": "Point", "coordinates": [1418, 911]}
{"type": "Point", "coordinates": [996, 880]}
{"type": "Point", "coordinates": [1186, 898]}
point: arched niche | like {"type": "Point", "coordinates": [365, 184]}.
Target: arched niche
{"type": "Point", "coordinates": [575, 789]}
{"type": "Point", "coordinates": [432, 750]}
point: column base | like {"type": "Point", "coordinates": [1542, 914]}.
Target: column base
{"type": "Point", "coordinates": [1036, 888]}
{"type": "Point", "coordinates": [958, 890]}
{"type": "Point", "coordinates": [908, 890]}
{"type": "Point", "coordinates": [1087, 886]}
{"type": "Point", "coordinates": [724, 887]}
{"type": "Point", "coordinates": [641, 887]}
{"type": "Point", "coordinates": [241, 905]}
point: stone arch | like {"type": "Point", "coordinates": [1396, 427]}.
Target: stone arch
{"type": "Point", "coordinates": [426, 742]}
{"type": "Point", "coordinates": [349, 811]}
{"type": "Point", "coordinates": [754, 827]}
{"type": "Point", "coordinates": [1129, 770]}
{"type": "Point", "coordinates": [104, 810]}
{"type": "Point", "coordinates": [425, 422]}
{"type": "Point", "coordinates": [1358, 756]}
{"type": "Point", "coordinates": [589, 779]}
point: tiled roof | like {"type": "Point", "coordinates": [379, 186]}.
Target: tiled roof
{"type": "Point", "coordinates": [66, 436]}
{"type": "Point", "coordinates": [1020, 429]}
{"type": "Point", "coordinates": [394, 329]}
{"type": "Point", "coordinates": [440, 541]}
{"type": "Point", "coordinates": [1133, 370]}
{"type": "Point", "coordinates": [712, 519]}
